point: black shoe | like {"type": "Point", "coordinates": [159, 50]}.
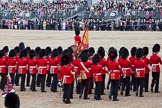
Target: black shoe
{"type": "Point", "coordinates": [86, 98]}
{"type": "Point", "coordinates": [95, 97]}
{"type": "Point", "coordinates": [141, 96]}
{"type": "Point", "coordinates": [136, 94]}
{"type": "Point", "coordinates": [34, 90]}
{"type": "Point", "coordinates": [67, 102]}
{"type": "Point", "coordinates": [24, 89]}
{"type": "Point", "coordinates": [43, 91]}
{"type": "Point", "coordinates": [157, 91]}
{"type": "Point", "coordinates": [152, 90]}
{"type": "Point", "coordinates": [80, 96]}
{"type": "Point", "coordinates": [146, 91]}
{"type": "Point", "coordinates": [103, 94]}
{"type": "Point", "coordinates": [98, 98]}
{"type": "Point", "coordinates": [121, 93]}
{"type": "Point", "coordinates": [110, 97]}
{"type": "Point", "coordinates": [115, 99]}
{"type": "Point", "coordinates": [27, 85]}
{"type": "Point", "coordinates": [128, 95]}
{"type": "Point", "coordinates": [64, 100]}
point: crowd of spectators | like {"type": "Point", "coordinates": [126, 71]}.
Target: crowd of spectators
{"type": "Point", "coordinates": [129, 15]}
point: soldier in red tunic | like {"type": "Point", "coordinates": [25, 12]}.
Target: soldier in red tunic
{"type": "Point", "coordinates": [126, 67]}
{"type": "Point", "coordinates": [77, 38]}
{"type": "Point", "coordinates": [147, 62]}
{"type": "Point", "coordinates": [154, 62]}
{"type": "Point", "coordinates": [54, 70]}
{"type": "Point", "coordinates": [37, 51]}
{"type": "Point", "coordinates": [3, 68]}
{"type": "Point", "coordinates": [84, 66]}
{"type": "Point", "coordinates": [42, 68]}
{"type": "Point", "coordinates": [28, 73]}
{"type": "Point", "coordinates": [17, 74]}
{"type": "Point", "coordinates": [114, 74]}
{"type": "Point", "coordinates": [103, 63]}
{"type": "Point", "coordinates": [96, 69]}
{"type": "Point", "coordinates": [12, 62]}
{"type": "Point", "coordinates": [139, 67]}
{"type": "Point", "coordinates": [132, 59]}
{"type": "Point", "coordinates": [22, 68]}
{"type": "Point", "coordinates": [66, 77]}
{"type": "Point", "coordinates": [48, 80]}
{"type": "Point", "coordinates": [32, 66]}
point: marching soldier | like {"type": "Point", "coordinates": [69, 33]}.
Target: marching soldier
{"type": "Point", "coordinates": [48, 81]}
{"type": "Point", "coordinates": [103, 63]}
{"type": "Point", "coordinates": [22, 68]}
{"type": "Point", "coordinates": [154, 62]}
{"type": "Point", "coordinates": [12, 65]}
{"type": "Point", "coordinates": [97, 76]}
{"type": "Point", "coordinates": [132, 59]}
{"type": "Point", "coordinates": [139, 67]}
{"type": "Point", "coordinates": [147, 62]}
{"type": "Point", "coordinates": [54, 70]}
{"type": "Point", "coordinates": [3, 68]}
{"type": "Point", "coordinates": [126, 71]}
{"type": "Point", "coordinates": [37, 51]}
{"type": "Point", "coordinates": [28, 74]}
{"type": "Point", "coordinates": [32, 66]}
{"type": "Point", "coordinates": [42, 68]}
{"type": "Point", "coordinates": [66, 77]}
{"type": "Point", "coordinates": [114, 75]}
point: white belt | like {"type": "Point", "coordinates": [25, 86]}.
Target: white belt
{"type": "Point", "coordinates": [139, 69]}
{"type": "Point", "coordinates": [32, 67]}
{"type": "Point", "coordinates": [75, 67]}
{"type": "Point", "coordinates": [11, 66]}
{"type": "Point", "coordinates": [42, 66]}
{"type": "Point", "coordinates": [155, 64]}
{"type": "Point", "coordinates": [22, 66]}
{"type": "Point", "coordinates": [2, 66]}
{"type": "Point", "coordinates": [66, 76]}
{"type": "Point", "coordinates": [54, 66]}
{"type": "Point", "coordinates": [124, 69]}
{"type": "Point", "coordinates": [115, 70]}
{"type": "Point", "coordinates": [98, 74]}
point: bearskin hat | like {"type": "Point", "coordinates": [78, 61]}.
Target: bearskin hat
{"type": "Point", "coordinates": [96, 59]}
{"type": "Point", "coordinates": [113, 54]}
{"type": "Point", "coordinates": [32, 54]}
{"type": "Point", "coordinates": [1, 53]}
{"type": "Point", "coordinates": [110, 50]}
{"type": "Point", "coordinates": [65, 59]}
{"type": "Point", "coordinates": [66, 51]}
{"type": "Point", "coordinates": [139, 53]}
{"type": "Point", "coordinates": [156, 48]}
{"type": "Point", "coordinates": [5, 49]}
{"type": "Point", "coordinates": [23, 53]}
{"type": "Point", "coordinates": [84, 56]}
{"type": "Point", "coordinates": [91, 51]}
{"type": "Point", "coordinates": [12, 53]}
{"type": "Point", "coordinates": [37, 50]}
{"type": "Point", "coordinates": [101, 52]}
{"type": "Point", "coordinates": [145, 51]}
{"type": "Point", "coordinates": [42, 53]}
{"type": "Point", "coordinates": [54, 53]}
{"type": "Point", "coordinates": [12, 101]}
{"type": "Point", "coordinates": [133, 51]}
{"type": "Point", "coordinates": [48, 50]}
{"type": "Point", "coordinates": [124, 53]}
{"type": "Point", "coordinates": [121, 50]}
{"type": "Point", "coordinates": [77, 31]}
{"type": "Point", "coordinates": [21, 46]}
{"type": "Point", "coordinates": [16, 49]}
{"type": "Point", "coordinates": [59, 50]}
{"type": "Point", "coordinates": [28, 49]}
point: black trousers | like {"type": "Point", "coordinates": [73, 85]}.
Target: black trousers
{"type": "Point", "coordinates": [12, 76]}
{"type": "Point", "coordinates": [146, 82]}
{"type": "Point", "coordinates": [78, 87]}
{"type": "Point", "coordinates": [155, 80]}
{"type": "Point", "coordinates": [85, 87]}
{"type": "Point", "coordinates": [98, 90]}
{"type": "Point", "coordinates": [48, 80]}
{"type": "Point", "coordinates": [33, 86]}
{"type": "Point", "coordinates": [42, 80]}
{"type": "Point", "coordinates": [38, 80]}
{"type": "Point", "coordinates": [103, 84]}
{"type": "Point", "coordinates": [126, 84]}
{"type": "Point", "coordinates": [72, 89]}
{"type": "Point", "coordinates": [22, 85]}
{"type": "Point", "coordinates": [3, 81]}
{"type": "Point", "coordinates": [54, 82]}
{"type": "Point", "coordinates": [28, 78]}
{"type": "Point", "coordinates": [139, 83]}
{"type": "Point", "coordinates": [17, 77]}
{"type": "Point", "coordinates": [114, 88]}
{"type": "Point", "coordinates": [133, 82]}
{"type": "Point", "coordinates": [91, 85]}
{"type": "Point", "coordinates": [66, 94]}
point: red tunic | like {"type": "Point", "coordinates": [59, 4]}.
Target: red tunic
{"type": "Point", "coordinates": [75, 63]}
{"type": "Point", "coordinates": [139, 67]}
{"type": "Point", "coordinates": [114, 70]}
{"type": "Point", "coordinates": [132, 59]}
{"type": "Point", "coordinates": [48, 66]}
{"type": "Point", "coordinates": [53, 66]}
{"type": "Point", "coordinates": [32, 65]}
{"type": "Point", "coordinates": [66, 75]}
{"type": "Point", "coordinates": [3, 66]}
{"type": "Point", "coordinates": [77, 40]}
{"type": "Point", "coordinates": [12, 65]}
{"type": "Point", "coordinates": [42, 66]}
{"type": "Point", "coordinates": [147, 62]}
{"type": "Point", "coordinates": [126, 67]}
{"type": "Point", "coordinates": [22, 65]}
{"type": "Point", "coordinates": [103, 63]}
{"type": "Point", "coordinates": [97, 72]}
{"type": "Point", "coordinates": [154, 62]}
